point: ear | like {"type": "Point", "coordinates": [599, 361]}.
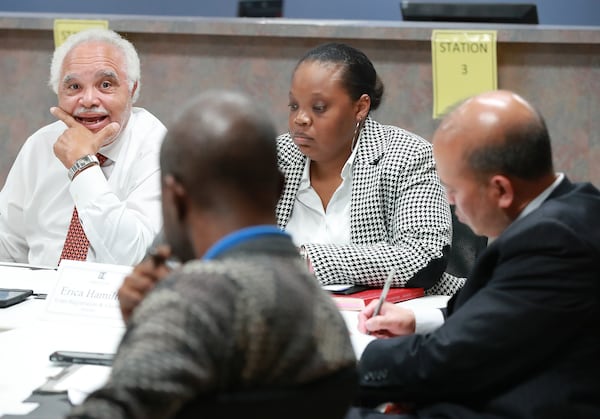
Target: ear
{"type": "Point", "coordinates": [362, 107]}
{"type": "Point", "coordinates": [503, 191]}
{"type": "Point", "coordinates": [175, 195]}
{"type": "Point", "coordinates": [135, 86]}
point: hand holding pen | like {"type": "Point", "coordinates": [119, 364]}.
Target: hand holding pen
{"type": "Point", "coordinates": [143, 279]}
{"type": "Point", "coordinates": [382, 319]}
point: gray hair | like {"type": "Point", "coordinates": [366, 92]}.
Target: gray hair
{"type": "Point", "coordinates": [108, 36]}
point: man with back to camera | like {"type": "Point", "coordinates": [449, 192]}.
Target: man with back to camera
{"type": "Point", "coordinates": [242, 313]}
{"type": "Point", "coordinates": [521, 339]}
{"type": "Point", "coordinates": [86, 187]}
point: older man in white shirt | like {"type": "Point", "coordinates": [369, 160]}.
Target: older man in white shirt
{"type": "Point", "coordinates": [87, 187]}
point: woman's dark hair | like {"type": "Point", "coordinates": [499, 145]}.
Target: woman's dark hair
{"type": "Point", "coordinates": [358, 75]}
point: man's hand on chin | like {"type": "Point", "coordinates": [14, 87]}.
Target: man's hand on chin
{"type": "Point", "coordinates": [78, 141]}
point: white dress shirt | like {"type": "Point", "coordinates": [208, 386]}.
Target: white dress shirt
{"type": "Point", "coordinates": [310, 222]}
{"type": "Point", "coordinates": [118, 204]}
{"type": "Point", "coordinates": [429, 319]}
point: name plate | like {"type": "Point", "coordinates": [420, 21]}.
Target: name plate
{"type": "Point", "coordinates": [87, 292]}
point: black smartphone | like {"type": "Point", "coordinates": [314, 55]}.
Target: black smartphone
{"type": "Point", "coordinates": [74, 357]}
{"type": "Point", "coordinates": [350, 290]}
{"type": "Point", "coordinates": [11, 296]}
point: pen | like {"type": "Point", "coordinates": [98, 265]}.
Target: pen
{"type": "Point", "coordinates": [159, 259]}
{"type": "Point", "coordinates": [384, 292]}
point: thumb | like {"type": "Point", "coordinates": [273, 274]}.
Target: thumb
{"type": "Point", "coordinates": [374, 323]}
{"type": "Point", "coordinates": [164, 250]}
{"type": "Point", "coordinates": [107, 133]}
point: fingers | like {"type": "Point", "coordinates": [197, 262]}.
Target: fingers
{"type": "Point", "coordinates": [365, 316]}
{"type": "Point", "coordinates": [160, 254]}
{"type": "Point", "coordinates": [106, 133]}
{"type": "Point", "coordinates": [393, 320]}
{"type": "Point", "coordinates": [133, 290]}
{"type": "Point", "coordinates": [373, 324]}
{"type": "Point", "coordinates": [370, 309]}
{"type": "Point", "coordinates": [141, 281]}
{"type": "Point", "coordinates": [63, 116]}
{"type": "Point", "coordinates": [370, 327]}
{"type": "Point", "coordinates": [361, 323]}
{"type": "Point", "coordinates": [77, 140]}
{"type": "Point", "coordinates": [131, 293]}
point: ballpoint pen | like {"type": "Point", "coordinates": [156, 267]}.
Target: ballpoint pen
{"type": "Point", "coordinates": [384, 292]}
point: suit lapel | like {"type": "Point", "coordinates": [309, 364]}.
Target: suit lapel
{"type": "Point", "coordinates": [291, 163]}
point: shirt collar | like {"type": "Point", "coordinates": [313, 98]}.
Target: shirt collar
{"type": "Point", "coordinates": [537, 201]}
{"type": "Point", "coordinates": [347, 169]}
{"type": "Point", "coordinates": [245, 234]}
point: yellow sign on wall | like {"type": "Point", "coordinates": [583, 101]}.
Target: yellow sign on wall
{"type": "Point", "coordinates": [464, 64]}
{"type": "Point", "coordinates": [63, 28]}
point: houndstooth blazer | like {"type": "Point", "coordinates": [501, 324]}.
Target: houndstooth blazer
{"type": "Point", "coordinates": [399, 215]}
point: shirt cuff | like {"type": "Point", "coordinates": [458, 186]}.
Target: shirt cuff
{"type": "Point", "coordinates": [87, 186]}
{"type": "Point", "coordinates": [427, 319]}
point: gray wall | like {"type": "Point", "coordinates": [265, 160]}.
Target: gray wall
{"type": "Point", "coordinates": [558, 69]}
{"type": "Point", "coordinates": [551, 12]}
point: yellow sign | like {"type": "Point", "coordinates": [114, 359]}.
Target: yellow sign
{"type": "Point", "coordinates": [63, 28]}
{"type": "Point", "coordinates": [464, 64]}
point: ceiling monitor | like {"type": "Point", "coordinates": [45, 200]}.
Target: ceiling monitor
{"type": "Point", "coordinates": [260, 8]}
{"type": "Point", "coordinates": [469, 12]}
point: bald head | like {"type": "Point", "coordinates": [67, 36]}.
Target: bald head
{"type": "Point", "coordinates": [493, 155]}
{"type": "Point", "coordinates": [499, 132]}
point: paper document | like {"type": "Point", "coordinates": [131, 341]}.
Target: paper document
{"type": "Point", "coordinates": [81, 380]}
{"type": "Point", "coordinates": [38, 280]}
{"type": "Point", "coordinates": [359, 340]}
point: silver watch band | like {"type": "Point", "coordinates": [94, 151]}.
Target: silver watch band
{"type": "Point", "coordinates": [82, 163]}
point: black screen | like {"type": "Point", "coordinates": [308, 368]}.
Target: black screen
{"type": "Point", "coordinates": [264, 8]}
{"type": "Point", "coordinates": [470, 12]}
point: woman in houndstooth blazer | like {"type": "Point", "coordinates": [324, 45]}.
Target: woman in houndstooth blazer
{"type": "Point", "coordinates": [345, 171]}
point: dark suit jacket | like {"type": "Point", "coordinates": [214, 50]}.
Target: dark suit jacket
{"type": "Point", "coordinates": [522, 338]}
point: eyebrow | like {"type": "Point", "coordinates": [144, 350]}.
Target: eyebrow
{"type": "Point", "coordinates": [69, 78]}
{"type": "Point", "coordinates": [107, 74]}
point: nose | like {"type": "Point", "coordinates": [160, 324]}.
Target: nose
{"type": "Point", "coordinates": [89, 98]}
{"type": "Point", "coordinates": [301, 118]}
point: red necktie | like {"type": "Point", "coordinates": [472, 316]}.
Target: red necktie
{"type": "Point", "coordinates": [77, 244]}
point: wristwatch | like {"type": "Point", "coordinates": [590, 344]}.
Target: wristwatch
{"type": "Point", "coordinates": [82, 163]}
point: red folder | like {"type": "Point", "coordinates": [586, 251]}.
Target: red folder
{"type": "Point", "coordinates": [361, 299]}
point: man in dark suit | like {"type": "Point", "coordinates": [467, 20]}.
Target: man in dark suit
{"type": "Point", "coordinates": [521, 339]}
